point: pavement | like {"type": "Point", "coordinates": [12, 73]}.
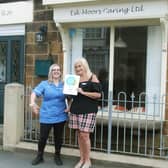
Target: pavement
{"type": "Point", "coordinates": [22, 159]}
{"type": "Point", "coordinates": [22, 156]}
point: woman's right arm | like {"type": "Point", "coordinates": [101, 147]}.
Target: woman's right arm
{"type": "Point", "coordinates": [33, 105]}
{"type": "Point", "coordinates": [32, 99]}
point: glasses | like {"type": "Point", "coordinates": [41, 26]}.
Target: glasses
{"type": "Point", "coordinates": [55, 70]}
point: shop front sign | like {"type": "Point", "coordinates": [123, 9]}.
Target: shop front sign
{"type": "Point", "coordinates": [111, 11]}
{"type": "Point", "coordinates": [16, 12]}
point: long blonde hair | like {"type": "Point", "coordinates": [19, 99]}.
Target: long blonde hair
{"type": "Point", "coordinates": [85, 64]}
{"type": "Point", "coordinates": [50, 78]}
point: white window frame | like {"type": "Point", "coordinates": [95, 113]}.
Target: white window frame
{"type": "Point", "coordinates": [111, 62]}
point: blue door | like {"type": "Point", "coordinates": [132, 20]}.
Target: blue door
{"type": "Point", "coordinates": [11, 64]}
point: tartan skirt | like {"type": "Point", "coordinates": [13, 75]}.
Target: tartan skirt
{"type": "Point", "coordinates": [82, 122]}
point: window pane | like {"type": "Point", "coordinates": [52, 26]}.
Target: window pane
{"type": "Point", "coordinates": [3, 55]}
{"type": "Point", "coordinates": [15, 70]}
{"type": "Point", "coordinates": [94, 33]}
{"type": "Point", "coordinates": [137, 61]}
{"type": "Point", "coordinates": [130, 62]}
{"type": "Point", "coordinates": [96, 50]}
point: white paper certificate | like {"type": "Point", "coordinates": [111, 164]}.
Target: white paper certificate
{"type": "Point", "coordinates": [71, 84]}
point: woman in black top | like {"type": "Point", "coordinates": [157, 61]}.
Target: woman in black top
{"type": "Point", "coordinates": [83, 109]}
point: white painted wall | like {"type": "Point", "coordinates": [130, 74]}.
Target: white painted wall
{"type": "Point", "coordinates": [12, 30]}
{"type": "Point", "coordinates": [153, 75]}
{"type": "Point", "coordinates": [16, 12]}
{"type": "Point", "coordinates": [77, 47]}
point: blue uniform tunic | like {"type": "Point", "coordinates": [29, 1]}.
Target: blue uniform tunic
{"type": "Point", "coordinates": [53, 104]}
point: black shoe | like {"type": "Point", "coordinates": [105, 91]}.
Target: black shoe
{"type": "Point", "coordinates": [58, 160]}
{"type": "Point", "coordinates": [37, 160]}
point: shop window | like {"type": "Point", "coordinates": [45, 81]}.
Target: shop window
{"type": "Point", "coordinates": [96, 50]}
{"type": "Point", "coordinates": [130, 64]}
{"type": "Point", "coordinates": [3, 52]}
{"type": "Point", "coordinates": [94, 33]}
{"type": "Point", "coordinates": [97, 54]}
{"type": "Point", "coordinates": [137, 64]}
{"type": "Point", "coordinates": [137, 69]}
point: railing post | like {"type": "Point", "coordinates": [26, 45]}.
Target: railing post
{"type": "Point", "coordinates": [110, 100]}
{"type": "Point", "coordinates": [13, 115]}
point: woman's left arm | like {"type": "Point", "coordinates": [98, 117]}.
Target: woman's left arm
{"type": "Point", "coordinates": [93, 95]}
{"type": "Point", "coordinates": [69, 102]}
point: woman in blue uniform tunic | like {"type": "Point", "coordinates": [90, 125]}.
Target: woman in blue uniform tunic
{"type": "Point", "coordinates": [52, 113]}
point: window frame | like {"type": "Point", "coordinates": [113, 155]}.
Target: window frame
{"type": "Point", "coordinates": [112, 25]}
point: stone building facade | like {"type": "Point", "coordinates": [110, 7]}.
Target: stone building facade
{"type": "Point", "coordinates": [51, 48]}
{"type": "Point", "coordinates": [57, 43]}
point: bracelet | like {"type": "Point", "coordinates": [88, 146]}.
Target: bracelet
{"type": "Point", "coordinates": [32, 104]}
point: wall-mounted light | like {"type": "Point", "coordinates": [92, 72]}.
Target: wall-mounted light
{"type": "Point", "coordinates": [41, 35]}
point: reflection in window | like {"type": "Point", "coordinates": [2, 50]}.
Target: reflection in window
{"type": "Point", "coordinates": [137, 65]}
{"type": "Point", "coordinates": [3, 53]}
{"type": "Point", "coordinates": [15, 60]}
{"type": "Point", "coordinates": [95, 33]}
{"type": "Point", "coordinates": [96, 51]}
{"type": "Point", "coordinates": [130, 63]}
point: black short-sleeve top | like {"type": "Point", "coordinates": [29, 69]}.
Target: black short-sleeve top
{"type": "Point", "coordinates": [82, 104]}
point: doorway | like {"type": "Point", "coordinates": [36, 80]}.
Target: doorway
{"type": "Point", "coordinates": [11, 64]}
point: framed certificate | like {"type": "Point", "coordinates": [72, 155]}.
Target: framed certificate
{"type": "Point", "coordinates": [71, 84]}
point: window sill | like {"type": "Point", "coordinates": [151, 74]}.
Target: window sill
{"type": "Point", "coordinates": [129, 120]}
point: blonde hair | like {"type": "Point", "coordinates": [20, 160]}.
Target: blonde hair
{"type": "Point", "coordinates": [85, 64]}
{"type": "Point", "coordinates": [50, 78]}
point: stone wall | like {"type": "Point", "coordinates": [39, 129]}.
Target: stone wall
{"type": "Point", "coordinates": [51, 47]}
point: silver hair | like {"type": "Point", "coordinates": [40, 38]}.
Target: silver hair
{"type": "Point", "coordinates": [85, 64]}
